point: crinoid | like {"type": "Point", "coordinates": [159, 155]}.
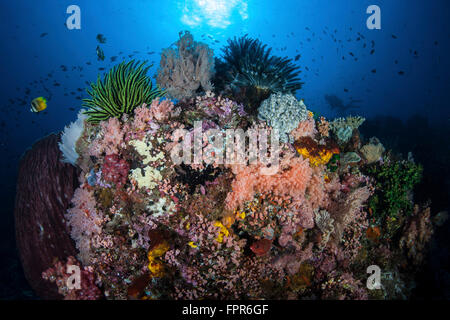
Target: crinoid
{"type": "Point", "coordinates": [248, 63]}
{"type": "Point", "coordinates": [122, 89]}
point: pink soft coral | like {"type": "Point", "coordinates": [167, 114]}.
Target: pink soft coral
{"type": "Point", "coordinates": [110, 139]}
{"type": "Point", "coordinates": [59, 274]}
{"type": "Point", "coordinates": [305, 128]}
{"type": "Point", "coordinates": [84, 220]}
{"type": "Point", "coordinates": [161, 110]}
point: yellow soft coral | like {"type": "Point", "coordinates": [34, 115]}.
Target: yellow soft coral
{"type": "Point", "coordinates": [155, 266]}
{"type": "Point", "coordinates": [316, 153]}
{"type": "Point", "coordinates": [158, 250]}
{"type": "Point", "coordinates": [323, 157]}
{"type": "Point", "coordinates": [223, 232]}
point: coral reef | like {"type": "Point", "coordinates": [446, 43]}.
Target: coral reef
{"type": "Point", "coordinates": [186, 68]}
{"type": "Point", "coordinates": [165, 209]}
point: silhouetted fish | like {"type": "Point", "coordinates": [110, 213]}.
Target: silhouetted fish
{"type": "Point", "coordinates": [101, 38]}
{"type": "Point", "coordinates": [43, 34]}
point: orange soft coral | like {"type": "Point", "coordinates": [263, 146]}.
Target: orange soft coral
{"type": "Point", "coordinates": [291, 180]}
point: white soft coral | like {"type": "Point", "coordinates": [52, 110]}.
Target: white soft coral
{"type": "Point", "coordinates": [69, 138]}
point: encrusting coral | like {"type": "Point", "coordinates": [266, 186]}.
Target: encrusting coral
{"type": "Point", "coordinates": [307, 226]}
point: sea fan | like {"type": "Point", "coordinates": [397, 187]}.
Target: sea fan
{"type": "Point", "coordinates": [123, 88]}
{"type": "Point", "coordinates": [248, 63]}
{"type": "Point", "coordinates": [69, 139]}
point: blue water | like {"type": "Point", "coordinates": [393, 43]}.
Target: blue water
{"type": "Point", "coordinates": [414, 39]}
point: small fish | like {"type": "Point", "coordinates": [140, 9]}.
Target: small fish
{"type": "Point", "coordinates": [297, 57]}
{"type": "Point", "coordinates": [43, 34]}
{"type": "Point", "coordinates": [114, 58]}
{"type": "Point", "coordinates": [100, 53]}
{"type": "Point", "coordinates": [351, 53]}
{"type": "Point", "coordinates": [372, 51]}
{"type": "Point", "coordinates": [261, 247]}
{"type": "Point", "coordinates": [345, 90]}
{"type": "Point", "coordinates": [38, 104]}
{"type": "Point", "coordinates": [101, 38]}
{"type": "Point", "coordinates": [72, 109]}
{"type": "Point", "coordinates": [401, 73]}
{"type": "Point", "coordinates": [394, 36]}
{"type": "Point", "coordinates": [374, 70]}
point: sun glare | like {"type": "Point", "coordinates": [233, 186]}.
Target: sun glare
{"type": "Point", "coordinates": [215, 13]}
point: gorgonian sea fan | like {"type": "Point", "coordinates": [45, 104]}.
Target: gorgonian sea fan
{"type": "Point", "coordinates": [249, 63]}
{"type": "Point", "coordinates": [123, 88]}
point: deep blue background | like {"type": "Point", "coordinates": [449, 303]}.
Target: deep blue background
{"type": "Point", "coordinates": [291, 27]}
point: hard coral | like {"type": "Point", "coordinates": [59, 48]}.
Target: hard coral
{"type": "Point", "coordinates": [283, 112]}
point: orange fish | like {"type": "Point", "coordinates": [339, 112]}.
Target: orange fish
{"type": "Point", "coordinates": [261, 247]}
